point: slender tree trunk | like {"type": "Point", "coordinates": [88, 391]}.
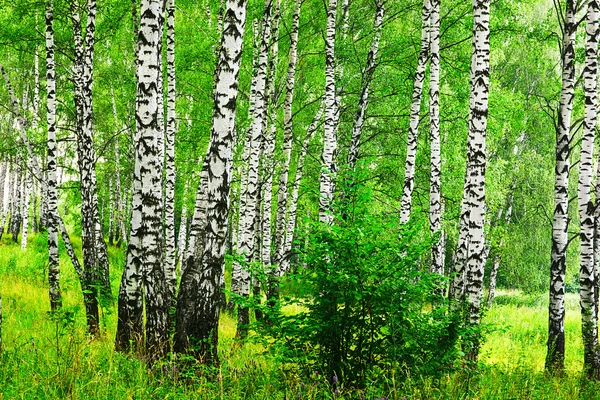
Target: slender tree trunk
{"type": "Point", "coordinates": [286, 249]}
{"type": "Point", "coordinates": [435, 204]}
{"type": "Point", "coordinates": [171, 259]}
{"type": "Point", "coordinates": [415, 111]}
{"type": "Point", "coordinates": [477, 132]}
{"type": "Point", "coordinates": [268, 163]}
{"type": "Point", "coordinates": [363, 100]}
{"type": "Point", "coordinates": [111, 217]}
{"type": "Point", "coordinates": [555, 358]}
{"type": "Point", "coordinates": [288, 134]}
{"type": "Point", "coordinates": [182, 237]}
{"type": "Point", "coordinates": [328, 168]}
{"type": "Point", "coordinates": [197, 316]}
{"type": "Point", "coordinates": [199, 217]}
{"type": "Point", "coordinates": [51, 194]}
{"type": "Point", "coordinates": [120, 220]}
{"type": "Point", "coordinates": [236, 274]}
{"type": "Point", "coordinates": [3, 172]}
{"type": "Point", "coordinates": [27, 189]}
{"type": "Point", "coordinates": [589, 327]}
{"type": "Point", "coordinates": [17, 216]}
{"type": "Point", "coordinates": [246, 244]}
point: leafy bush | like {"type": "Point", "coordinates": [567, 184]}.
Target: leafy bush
{"type": "Point", "coordinates": [367, 306]}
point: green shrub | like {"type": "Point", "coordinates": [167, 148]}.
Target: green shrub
{"type": "Point", "coordinates": [367, 306]}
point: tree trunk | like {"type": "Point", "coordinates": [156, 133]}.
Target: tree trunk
{"type": "Point", "coordinates": [145, 257]}
{"type": "Point", "coordinates": [415, 111]}
{"type": "Point", "coordinates": [589, 324]}
{"type": "Point", "coordinates": [477, 160]}
{"type": "Point", "coordinates": [27, 189]}
{"type": "Point", "coordinates": [246, 245]}
{"type": "Point", "coordinates": [555, 358]}
{"type": "Point", "coordinates": [236, 274]}
{"type": "Point", "coordinates": [120, 220]}
{"type": "Point", "coordinates": [51, 194]}
{"type": "Point", "coordinates": [288, 133]}
{"type": "Point", "coordinates": [182, 237]}
{"type": "Point", "coordinates": [363, 100]}
{"type": "Point", "coordinates": [171, 259]}
{"type": "Point", "coordinates": [285, 252]}
{"type": "Point", "coordinates": [3, 171]}
{"type": "Point", "coordinates": [435, 204]}
{"type": "Point", "coordinates": [197, 316]}
{"type": "Point", "coordinates": [328, 168]}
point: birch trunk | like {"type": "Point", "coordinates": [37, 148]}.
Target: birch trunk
{"type": "Point", "coordinates": [589, 324]}
{"type": "Point", "coordinates": [171, 259]}
{"type": "Point", "coordinates": [27, 189]}
{"type": "Point", "coordinates": [415, 111]}
{"type": "Point", "coordinates": [435, 205]}
{"type": "Point", "coordinates": [3, 171]}
{"type": "Point", "coordinates": [145, 257]}
{"type": "Point", "coordinates": [236, 274]}
{"type": "Point", "coordinates": [363, 100]}
{"type": "Point", "coordinates": [182, 237]}
{"type": "Point", "coordinates": [477, 134]}
{"type": "Point", "coordinates": [286, 249]}
{"type": "Point", "coordinates": [268, 162]}
{"type": "Point", "coordinates": [288, 133]}
{"type": "Point", "coordinates": [555, 358]}
{"type": "Point", "coordinates": [199, 299]}
{"type": "Point", "coordinates": [246, 245]}
{"type": "Point", "coordinates": [328, 168]}
{"type": "Point", "coordinates": [118, 199]}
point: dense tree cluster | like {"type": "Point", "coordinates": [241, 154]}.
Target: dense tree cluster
{"type": "Point", "coordinates": [208, 137]}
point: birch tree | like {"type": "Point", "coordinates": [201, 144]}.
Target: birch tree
{"type": "Point", "coordinates": [363, 99]}
{"type": "Point", "coordinates": [51, 193]}
{"type": "Point", "coordinates": [555, 358]}
{"type": "Point", "coordinates": [170, 257]}
{"type": "Point", "coordinates": [246, 246]}
{"type": "Point", "coordinates": [145, 258]}
{"type": "Point", "coordinates": [199, 298]}
{"type": "Point", "coordinates": [477, 160]}
{"type": "Point", "coordinates": [435, 204]}
{"type": "Point", "coordinates": [415, 111]}
{"type": "Point", "coordinates": [587, 274]}
{"type": "Point", "coordinates": [95, 253]}
{"type": "Point", "coordinates": [288, 132]}
{"type": "Point", "coordinates": [328, 167]}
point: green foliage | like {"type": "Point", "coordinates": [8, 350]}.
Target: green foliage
{"type": "Point", "coordinates": [366, 305]}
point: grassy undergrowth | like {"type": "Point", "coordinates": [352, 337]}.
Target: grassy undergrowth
{"type": "Point", "coordinates": [46, 357]}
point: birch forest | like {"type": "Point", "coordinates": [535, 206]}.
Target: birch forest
{"type": "Point", "coordinates": [281, 199]}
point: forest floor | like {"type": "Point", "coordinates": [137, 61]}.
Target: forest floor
{"type": "Point", "coordinates": [52, 358]}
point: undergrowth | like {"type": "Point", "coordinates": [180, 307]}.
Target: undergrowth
{"type": "Point", "coordinates": [49, 356]}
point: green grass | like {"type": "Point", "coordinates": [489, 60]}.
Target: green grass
{"type": "Point", "coordinates": [52, 358]}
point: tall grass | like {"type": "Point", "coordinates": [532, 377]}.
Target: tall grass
{"type": "Point", "coordinates": [49, 356]}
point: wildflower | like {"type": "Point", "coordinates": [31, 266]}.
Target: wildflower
{"type": "Point", "coordinates": [335, 379]}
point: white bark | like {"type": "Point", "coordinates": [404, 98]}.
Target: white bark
{"type": "Point", "coordinates": [587, 274]}
{"type": "Point", "coordinates": [415, 111]}
{"type": "Point", "coordinates": [199, 299]}
{"type": "Point", "coordinates": [328, 168]}
{"type": "Point", "coordinates": [477, 161]}
{"type": "Point", "coordinates": [435, 204]}
{"type": "Point", "coordinates": [556, 340]}
{"type": "Point", "coordinates": [171, 259]}
{"type": "Point", "coordinates": [282, 198]}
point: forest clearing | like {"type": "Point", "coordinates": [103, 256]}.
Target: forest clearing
{"type": "Point", "coordinates": [353, 199]}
